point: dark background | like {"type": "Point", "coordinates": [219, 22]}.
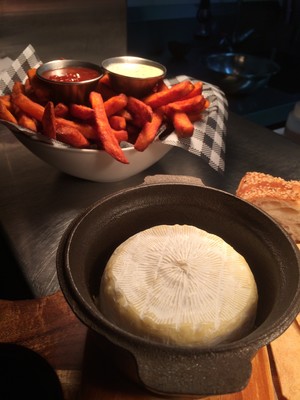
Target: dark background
{"type": "Point", "coordinates": [271, 29]}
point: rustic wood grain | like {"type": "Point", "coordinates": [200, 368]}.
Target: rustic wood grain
{"type": "Point", "coordinates": [46, 325]}
{"type": "Point", "coordinates": [286, 350]}
{"type": "Point", "coordinates": [49, 327]}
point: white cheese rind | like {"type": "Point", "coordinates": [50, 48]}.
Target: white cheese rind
{"type": "Point", "coordinates": [179, 284]}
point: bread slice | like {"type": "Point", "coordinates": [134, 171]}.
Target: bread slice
{"type": "Point", "coordinates": [277, 197]}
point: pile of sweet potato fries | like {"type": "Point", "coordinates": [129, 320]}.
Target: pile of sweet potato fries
{"type": "Point", "coordinates": [109, 117]}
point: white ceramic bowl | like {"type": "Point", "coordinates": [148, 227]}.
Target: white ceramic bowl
{"type": "Point", "coordinates": [91, 164]}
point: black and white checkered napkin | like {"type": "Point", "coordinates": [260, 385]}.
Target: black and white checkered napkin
{"type": "Point", "coordinates": [17, 70]}
{"type": "Point", "coordinates": [208, 140]}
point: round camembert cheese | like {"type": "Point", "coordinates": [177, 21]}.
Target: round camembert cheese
{"type": "Point", "coordinates": [179, 284]}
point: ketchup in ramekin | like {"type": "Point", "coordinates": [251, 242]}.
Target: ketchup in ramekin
{"type": "Point", "coordinates": [69, 81]}
{"type": "Point", "coordinates": [71, 74]}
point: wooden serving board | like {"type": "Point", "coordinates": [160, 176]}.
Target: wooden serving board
{"type": "Point", "coordinates": [286, 354]}
{"type": "Point", "coordinates": [49, 327]}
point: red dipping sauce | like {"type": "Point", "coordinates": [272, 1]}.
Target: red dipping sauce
{"type": "Point", "coordinates": [71, 74]}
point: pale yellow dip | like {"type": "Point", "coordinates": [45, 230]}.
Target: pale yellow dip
{"type": "Point", "coordinates": [135, 70]}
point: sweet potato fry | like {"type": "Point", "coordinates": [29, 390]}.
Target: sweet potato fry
{"type": "Point", "coordinates": [28, 89]}
{"type": "Point", "coordinates": [48, 121]}
{"type": "Point", "coordinates": [61, 110]}
{"type": "Point", "coordinates": [27, 122]}
{"type": "Point", "coordinates": [18, 87]}
{"type": "Point", "coordinates": [174, 93]}
{"type": "Point", "coordinates": [197, 90]}
{"type": "Point", "coordinates": [115, 104]}
{"type": "Point", "coordinates": [148, 132]}
{"type": "Point", "coordinates": [195, 116]}
{"type": "Point", "coordinates": [198, 115]}
{"type": "Point", "coordinates": [33, 109]}
{"type": "Point", "coordinates": [105, 79]}
{"type": "Point", "coordinates": [40, 90]}
{"type": "Point", "coordinates": [5, 99]}
{"type": "Point", "coordinates": [87, 130]}
{"type": "Point", "coordinates": [117, 122]}
{"type": "Point", "coordinates": [121, 135]}
{"type": "Point", "coordinates": [6, 114]}
{"type": "Point", "coordinates": [70, 135]}
{"type": "Point", "coordinates": [31, 73]}
{"type": "Point", "coordinates": [189, 105]}
{"type": "Point", "coordinates": [141, 112]}
{"type": "Point", "coordinates": [125, 114]}
{"type": "Point", "coordinates": [81, 111]}
{"type": "Point", "coordinates": [182, 125]}
{"type": "Point", "coordinates": [104, 131]}
{"type": "Point", "coordinates": [207, 104]}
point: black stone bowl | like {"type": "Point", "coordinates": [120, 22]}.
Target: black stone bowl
{"type": "Point", "coordinates": [171, 370]}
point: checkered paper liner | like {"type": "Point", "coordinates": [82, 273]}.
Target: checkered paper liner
{"type": "Point", "coordinates": [207, 142]}
{"type": "Point", "coordinates": [17, 70]}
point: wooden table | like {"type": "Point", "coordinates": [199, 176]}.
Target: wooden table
{"type": "Point", "coordinates": [49, 327]}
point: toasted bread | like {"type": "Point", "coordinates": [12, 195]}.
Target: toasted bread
{"type": "Point", "coordinates": [277, 197]}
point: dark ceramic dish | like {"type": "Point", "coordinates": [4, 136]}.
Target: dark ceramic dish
{"type": "Point", "coordinates": [168, 369]}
